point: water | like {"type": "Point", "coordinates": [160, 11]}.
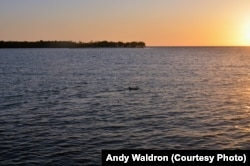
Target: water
{"type": "Point", "coordinates": [63, 106]}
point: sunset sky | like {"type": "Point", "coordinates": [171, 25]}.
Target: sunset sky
{"type": "Point", "coordinates": [156, 22]}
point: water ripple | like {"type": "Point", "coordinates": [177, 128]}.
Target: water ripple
{"type": "Point", "coordinates": [63, 106]}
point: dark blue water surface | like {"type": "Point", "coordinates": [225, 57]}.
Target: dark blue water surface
{"type": "Point", "coordinates": [63, 106]}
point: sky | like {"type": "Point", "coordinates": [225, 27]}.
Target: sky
{"type": "Point", "coordinates": [156, 22]}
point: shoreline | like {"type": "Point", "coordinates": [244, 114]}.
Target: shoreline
{"type": "Point", "coordinates": [70, 44]}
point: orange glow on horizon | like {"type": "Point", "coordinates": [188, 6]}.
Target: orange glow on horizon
{"type": "Point", "coordinates": [157, 23]}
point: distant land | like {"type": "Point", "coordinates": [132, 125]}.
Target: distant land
{"type": "Point", "coordinates": [70, 44]}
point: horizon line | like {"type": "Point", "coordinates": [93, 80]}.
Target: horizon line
{"type": "Point", "coordinates": [198, 46]}
{"type": "Point", "coordinates": [126, 42]}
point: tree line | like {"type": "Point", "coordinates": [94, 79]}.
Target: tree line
{"type": "Point", "coordinates": [70, 44]}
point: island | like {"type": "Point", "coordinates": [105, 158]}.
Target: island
{"type": "Point", "coordinates": [70, 44]}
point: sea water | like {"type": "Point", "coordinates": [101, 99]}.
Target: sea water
{"type": "Point", "coordinates": [63, 106]}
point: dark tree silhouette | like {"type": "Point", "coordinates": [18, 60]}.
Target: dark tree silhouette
{"type": "Point", "coordinates": [70, 44]}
